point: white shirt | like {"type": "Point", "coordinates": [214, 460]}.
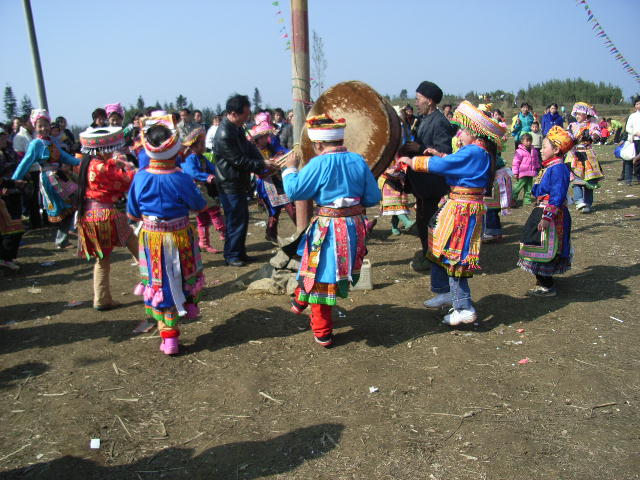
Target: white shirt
{"type": "Point", "coordinates": [22, 140]}
{"type": "Point", "coordinates": [208, 139]}
{"type": "Point", "coordinates": [633, 126]}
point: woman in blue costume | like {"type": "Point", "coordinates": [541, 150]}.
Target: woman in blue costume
{"type": "Point", "coordinates": [269, 185]}
{"type": "Point", "coordinates": [56, 190]}
{"type": "Point", "coordinates": [161, 196]}
{"type": "Point", "coordinates": [455, 239]}
{"type": "Point", "coordinates": [333, 246]}
{"type": "Point", "coordinates": [546, 244]}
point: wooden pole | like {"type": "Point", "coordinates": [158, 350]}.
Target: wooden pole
{"type": "Point", "coordinates": [35, 55]}
{"type": "Point", "coordinates": [301, 89]}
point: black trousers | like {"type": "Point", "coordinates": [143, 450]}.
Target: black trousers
{"type": "Point", "coordinates": [425, 209]}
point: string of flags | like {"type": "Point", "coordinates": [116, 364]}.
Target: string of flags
{"type": "Point", "coordinates": [607, 42]}
{"type": "Point", "coordinates": [283, 26]}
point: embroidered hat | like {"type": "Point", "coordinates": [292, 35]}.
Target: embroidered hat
{"type": "Point", "coordinates": [470, 118]}
{"type": "Point", "coordinates": [114, 108]}
{"type": "Point", "coordinates": [260, 130]}
{"type": "Point", "coordinates": [322, 128]}
{"type": "Point", "coordinates": [101, 140]}
{"type": "Point", "coordinates": [263, 117]}
{"type": "Point", "coordinates": [193, 136]}
{"type": "Point", "coordinates": [170, 147]}
{"type": "Point", "coordinates": [583, 107]}
{"type": "Point", "coordinates": [37, 114]}
{"type": "Point", "coordinates": [560, 138]}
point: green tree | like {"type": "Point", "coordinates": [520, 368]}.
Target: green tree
{"type": "Point", "coordinates": [10, 103]}
{"type": "Point", "coordinates": [319, 63]}
{"type": "Point", "coordinates": [181, 102]}
{"type": "Point", "coordinates": [404, 96]}
{"type": "Point", "coordinates": [25, 105]}
{"type": "Point", "coordinates": [257, 100]}
{"type": "Point", "coordinates": [140, 103]}
{"type": "Point", "coordinates": [218, 109]}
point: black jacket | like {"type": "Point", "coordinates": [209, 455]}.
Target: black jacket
{"type": "Point", "coordinates": [434, 131]}
{"type": "Point", "coordinates": [236, 159]}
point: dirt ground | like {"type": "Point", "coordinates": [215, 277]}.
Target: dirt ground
{"type": "Point", "coordinates": [254, 397]}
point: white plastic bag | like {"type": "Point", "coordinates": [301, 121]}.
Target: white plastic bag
{"type": "Point", "coordinates": [628, 151]}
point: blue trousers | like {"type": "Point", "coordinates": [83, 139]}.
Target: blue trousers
{"type": "Point", "coordinates": [458, 286]}
{"type": "Point", "coordinates": [492, 224]}
{"type": "Point", "coordinates": [236, 220]}
{"type": "Point", "coordinates": [582, 194]}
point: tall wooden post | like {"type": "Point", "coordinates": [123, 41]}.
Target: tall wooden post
{"type": "Point", "coordinates": [35, 55]}
{"type": "Point", "coordinates": [301, 88]}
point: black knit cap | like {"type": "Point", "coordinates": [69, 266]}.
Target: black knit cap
{"type": "Point", "coordinates": [430, 90]}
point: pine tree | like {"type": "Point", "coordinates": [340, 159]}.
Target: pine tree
{"type": "Point", "coordinates": [25, 105]}
{"type": "Point", "coordinates": [140, 103]}
{"type": "Point", "coordinates": [218, 109]}
{"type": "Point", "coordinates": [181, 102]}
{"type": "Point", "coordinates": [257, 100]}
{"type": "Point", "coordinates": [10, 104]}
{"type": "Point", "coordinates": [404, 94]}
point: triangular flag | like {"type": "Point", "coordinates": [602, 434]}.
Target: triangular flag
{"type": "Point", "coordinates": [281, 20]}
{"type": "Point", "coordinates": [275, 4]}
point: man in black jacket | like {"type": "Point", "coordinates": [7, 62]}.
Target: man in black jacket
{"type": "Point", "coordinates": [236, 159]}
{"type": "Point", "coordinates": [434, 131]}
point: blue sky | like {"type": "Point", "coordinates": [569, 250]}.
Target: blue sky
{"type": "Point", "coordinates": [95, 53]}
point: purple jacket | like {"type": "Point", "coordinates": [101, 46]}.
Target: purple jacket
{"type": "Point", "coordinates": [526, 163]}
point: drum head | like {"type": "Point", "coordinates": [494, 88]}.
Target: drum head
{"type": "Point", "coordinates": [373, 127]}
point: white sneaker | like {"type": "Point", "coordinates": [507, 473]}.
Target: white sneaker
{"type": "Point", "coordinates": [456, 317]}
{"type": "Point", "coordinates": [10, 265]}
{"type": "Point", "coordinates": [580, 205]}
{"type": "Point", "coordinates": [439, 300]}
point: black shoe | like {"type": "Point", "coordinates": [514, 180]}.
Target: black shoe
{"type": "Point", "coordinates": [235, 263]}
{"type": "Point", "coordinates": [325, 341]}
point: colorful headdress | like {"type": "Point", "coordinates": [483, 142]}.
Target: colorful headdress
{"type": "Point", "coordinates": [37, 114]}
{"type": "Point", "coordinates": [560, 138]}
{"type": "Point", "coordinates": [470, 118]}
{"type": "Point", "coordinates": [583, 107]}
{"type": "Point", "coordinates": [101, 140]}
{"type": "Point", "coordinates": [322, 128]}
{"type": "Point", "coordinates": [486, 107]}
{"type": "Point", "coordinates": [170, 147]}
{"type": "Point", "coordinates": [193, 136]}
{"type": "Point", "coordinates": [114, 108]}
{"type": "Point", "coordinates": [260, 130]}
{"type": "Point", "coordinates": [263, 117]}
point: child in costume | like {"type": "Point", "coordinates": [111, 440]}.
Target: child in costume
{"type": "Point", "coordinates": [585, 168]}
{"type": "Point", "coordinates": [498, 204]}
{"type": "Point", "coordinates": [395, 201]}
{"type": "Point", "coordinates": [455, 239]}
{"type": "Point", "coordinates": [546, 247]}
{"type": "Point", "coordinates": [269, 184]}
{"type": "Point", "coordinates": [333, 246]}
{"type": "Point", "coordinates": [526, 164]}
{"type": "Point", "coordinates": [101, 226]}
{"type": "Point", "coordinates": [202, 171]}
{"type": "Point", "coordinates": [56, 190]}
{"type": "Point", "coordinates": [162, 196]}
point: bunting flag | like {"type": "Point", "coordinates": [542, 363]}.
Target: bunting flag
{"type": "Point", "coordinates": [283, 28]}
{"type": "Point", "coordinates": [608, 43]}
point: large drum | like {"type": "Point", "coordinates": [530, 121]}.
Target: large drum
{"type": "Point", "coordinates": [373, 127]}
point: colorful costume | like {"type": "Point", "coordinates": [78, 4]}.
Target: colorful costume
{"type": "Point", "coordinates": [585, 168]}
{"type": "Point", "coordinates": [498, 203]}
{"type": "Point", "coordinates": [333, 246]}
{"type": "Point", "coordinates": [202, 171]}
{"type": "Point", "coordinates": [11, 227]}
{"type": "Point", "coordinates": [170, 264]}
{"type": "Point", "coordinates": [548, 252]}
{"type": "Point", "coordinates": [56, 190]}
{"type": "Point", "coordinates": [395, 201]}
{"type": "Point", "coordinates": [269, 187]}
{"type": "Point", "coordinates": [101, 226]}
{"type": "Point", "coordinates": [455, 239]}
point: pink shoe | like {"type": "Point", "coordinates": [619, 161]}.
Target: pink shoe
{"type": "Point", "coordinates": [170, 346]}
{"type": "Point", "coordinates": [192, 311]}
{"type": "Point", "coordinates": [221, 235]}
{"type": "Point", "coordinates": [209, 249]}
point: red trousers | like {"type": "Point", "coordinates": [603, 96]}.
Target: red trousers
{"type": "Point", "coordinates": [321, 321]}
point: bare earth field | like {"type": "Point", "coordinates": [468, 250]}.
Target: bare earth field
{"type": "Point", "coordinates": [254, 397]}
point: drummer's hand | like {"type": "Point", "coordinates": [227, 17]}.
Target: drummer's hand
{"type": "Point", "coordinates": [543, 225]}
{"type": "Point", "coordinates": [292, 160]}
{"type": "Point", "coordinates": [432, 151]}
{"type": "Point", "coordinates": [406, 160]}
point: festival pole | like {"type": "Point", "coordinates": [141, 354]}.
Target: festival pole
{"type": "Point", "coordinates": [35, 55]}
{"type": "Point", "coordinates": [301, 89]}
